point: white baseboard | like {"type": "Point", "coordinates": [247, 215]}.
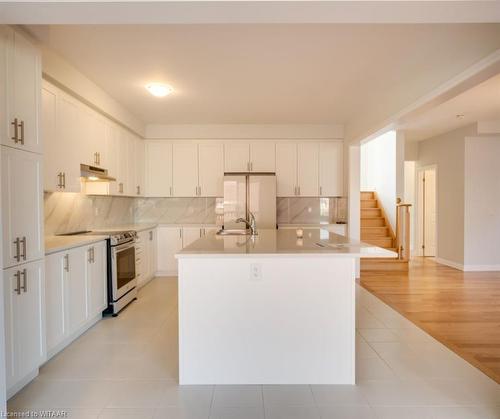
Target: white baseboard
{"type": "Point", "coordinates": [468, 268]}
{"type": "Point", "coordinates": [450, 263]}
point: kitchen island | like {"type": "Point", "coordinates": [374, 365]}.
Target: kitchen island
{"type": "Point", "coordinates": [269, 309]}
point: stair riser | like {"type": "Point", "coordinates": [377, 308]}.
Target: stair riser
{"type": "Point", "coordinates": [375, 222]}
{"type": "Point", "coordinates": [382, 265]}
{"type": "Point", "coordinates": [367, 195]}
{"type": "Point", "coordinates": [381, 242]}
{"type": "Point", "coordinates": [372, 203]}
{"type": "Point", "coordinates": [376, 231]}
{"type": "Point", "coordinates": [371, 212]}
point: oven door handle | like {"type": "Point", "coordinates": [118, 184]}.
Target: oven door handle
{"type": "Point", "coordinates": [124, 246]}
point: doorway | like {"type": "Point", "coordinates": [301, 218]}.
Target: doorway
{"type": "Point", "coordinates": [427, 211]}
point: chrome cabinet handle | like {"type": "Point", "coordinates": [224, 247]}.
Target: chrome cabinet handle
{"type": "Point", "coordinates": [120, 186]}
{"type": "Point", "coordinates": [21, 125]}
{"type": "Point", "coordinates": [18, 282]}
{"type": "Point", "coordinates": [320, 191]}
{"type": "Point", "coordinates": [251, 166]}
{"type": "Point", "coordinates": [17, 242]}
{"type": "Point", "coordinates": [16, 131]}
{"type": "Point", "coordinates": [23, 241]}
{"type": "Point", "coordinates": [150, 236]}
{"type": "Point", "coordinates": [95, 158]}
{"type": "Point", "coordinates": [137, 190]}
{"type": "Point", "coordinates": [99, 158]}
{"type": "Point", "coordinates": [64, 180]}
{"type": "Point", "coordinates": [89, 260]}
{"type": "Point", "coordinates": [66, 260]}
{"type": "Point", "coordinates": [60, 183]}
{"type": "Point", "coordinates": [93, 255]}
{"type": "Point", "coordinates": [24, 287]}
{"type": "Point", "coordinates": [180, 233]}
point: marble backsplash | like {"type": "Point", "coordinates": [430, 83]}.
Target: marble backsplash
{"type": "Point", "coordinates": [69, 212]}
{"type": "Point", "coordinates": [311, 210]}
{"type": "Point", "coordinates": [179, 210]}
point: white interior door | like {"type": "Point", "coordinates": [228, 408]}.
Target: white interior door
{"type": "Point", "coordinates": [426, 212]}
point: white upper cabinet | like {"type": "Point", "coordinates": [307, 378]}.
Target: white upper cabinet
{"type": "Point", "coordinates": [331, 168]}
{"type": "Point", "coordinates": [262, 156]}
{"type": "Point", "coordinates": [23, 87]}
{"type": "Point", "coordinates": [258, 156]}
{"type": "Point", "coordinates": [185, 170]}
{"type": "Point", "coordinates": [286, 169]}
{"type": "Point", "coordinates": [211, 170]}
{"type": "Point", "coordinates": [236, 157]}
{"type": "Point", "coordinates": [307, 169]}
{"type": "Point", "coordinates": [140, 157]}
{"type": "Point", "coordinates": [92, 133]}
{"type": "Point", "coordinates": [158, 168]}
{"type": "Point", "coordinates": [51, 155]}
{"type": "Point", "coordinates": [22, 204]}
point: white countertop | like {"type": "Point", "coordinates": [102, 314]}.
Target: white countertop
{"type": "Point", "coordinates": [282, 242]}
{"type": "Point", "coordinates": [54, 244]}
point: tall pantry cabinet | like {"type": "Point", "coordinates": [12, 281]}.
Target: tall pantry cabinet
{"type": "Point", "coordinates": [21, 208]}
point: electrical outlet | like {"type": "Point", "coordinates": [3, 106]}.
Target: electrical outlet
{"type": "Point", "coordinates": [255, 272]}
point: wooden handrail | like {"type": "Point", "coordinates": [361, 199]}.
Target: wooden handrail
{"type": "Point", "coordinates": [403, 231]}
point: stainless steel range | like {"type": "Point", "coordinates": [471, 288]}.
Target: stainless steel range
{"type": "Point", "coordinates": [122, 281]}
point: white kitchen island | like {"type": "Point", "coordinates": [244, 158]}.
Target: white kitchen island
{"type": "Point", "coordinates": [270, 309]}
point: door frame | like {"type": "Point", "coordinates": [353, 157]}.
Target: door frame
{"type": "Point", "coordinates": [418, 231]}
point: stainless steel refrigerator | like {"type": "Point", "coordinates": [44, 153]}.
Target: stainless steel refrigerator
{"type": "Point", "coordinates": [247, 192]}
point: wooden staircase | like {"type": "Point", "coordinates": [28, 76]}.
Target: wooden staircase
{"type": "Point", "coordinates": [376, 230]}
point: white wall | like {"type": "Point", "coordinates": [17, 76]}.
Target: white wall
{"type": "Point", "coordinates": [447, 151]}
{"type": "Point", "coordinates": [482, 204]}
{"type": "Point", "coordinates": [378, 171]}
{"type": "Point", "coordinates": [409, 198]}
{"type": "Point", "coordinates": [57, 70]}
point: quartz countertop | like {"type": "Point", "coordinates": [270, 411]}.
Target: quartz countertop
{"type": "Point", "coordinates": [54, 244]}
{"type": "Point", "coordinates": [283, 242]}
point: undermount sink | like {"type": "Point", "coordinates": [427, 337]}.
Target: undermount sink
{"type": "Point", "coordinates": [234, 232]}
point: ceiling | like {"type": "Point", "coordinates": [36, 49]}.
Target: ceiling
{"type": "Point", "coordinates": [481, 103]}
{"type": "Point", "coordinates": [270, 74]}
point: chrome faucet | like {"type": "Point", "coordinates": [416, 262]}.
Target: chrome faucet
{"type": "Point", "coordinates": [252, 225]}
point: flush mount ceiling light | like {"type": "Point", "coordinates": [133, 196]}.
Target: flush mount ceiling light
{"type": "Point", "coordinates": [159, 90]}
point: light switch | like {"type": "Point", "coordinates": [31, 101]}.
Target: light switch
{"type": "Point", "coordinates": [255, 272]}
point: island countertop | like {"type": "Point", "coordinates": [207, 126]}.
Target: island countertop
{"type": "Point", "coordinates": [283, 242]}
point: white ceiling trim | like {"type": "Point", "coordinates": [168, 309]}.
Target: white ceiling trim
{"type": "Point", "coordinates": [196, 12]}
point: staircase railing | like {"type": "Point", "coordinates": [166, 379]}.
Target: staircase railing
{"type": "Point", "coordinates": [403, 231]}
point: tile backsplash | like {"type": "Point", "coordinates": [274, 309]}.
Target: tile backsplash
{"type": "Point", "coordinates": [69, 212]}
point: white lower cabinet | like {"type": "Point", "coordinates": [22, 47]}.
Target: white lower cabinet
{"type": "Point", "coordinates": [76, 293]}
{"type": "Point", "coordinates": [169, 243]}
{"type": "Point", "coordinates": [171, 240]}
{"type": "Point", "coordinates": [24, 293]}
{"type": "Point", "coordinates": [145, 249]}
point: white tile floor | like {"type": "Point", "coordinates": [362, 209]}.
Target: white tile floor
{"type": "Point", "coordinates": [126, 367]}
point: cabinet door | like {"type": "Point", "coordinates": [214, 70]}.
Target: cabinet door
{"type": "Point", "coordinates": [23, 93]}
{"type": "Point", "coordinates": [308, 169]}
{"type": "Point", "coordinates": [92, 136]}
{"type": "Point", "coordinates": [123, 150]}
{"type": "Point", "coordinates": [97, 278]}
{"type": "Point", "coordinates": [190, 235]}
{"type": "Point", "coordinates": [158, 169]}
{"type": "Point", "coordinates": [169, 243]}
{"type": "Point", "coordinates": [139, 155]}
{"type": "Point", "coordinates": [52, 152]}
{"type": "Point", "coordinates": [76, 288]}
{"type": "Point", "coordinates": [22, 205]}
{"type": "Point", "coordinates": [286, 169]}
{"type": "Point", "coordinates": [236, 157]}
{"type": "Point", "coordinates": [331, 169]}
{"type": "Point", "coordinates": [55, 279]}
{"type": "Point", "coordinates": [211, 169]}
{"type": "Point", "coordinates": [185, 169]}
{"type": "Point", "coordinates": [263, 156]}
{"type": "Point", "coordinates": [24, 320]}
{"type": "Point", "coordinates": [152, 249]}
{"type": "Point", "coordinates": [113, 156]}
{"type": "Point", "coordinates": [69, 151]}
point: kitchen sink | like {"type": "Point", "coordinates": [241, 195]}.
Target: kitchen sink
{"type": "Point", "coordinates": [234, 233]}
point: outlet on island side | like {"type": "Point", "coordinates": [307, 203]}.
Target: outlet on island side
{"type": "Point", "coordinates": [255, 272]}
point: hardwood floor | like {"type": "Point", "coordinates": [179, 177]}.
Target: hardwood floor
{"type": "Point", "coordinates": [460, 309]}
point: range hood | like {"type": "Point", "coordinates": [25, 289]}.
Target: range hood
{"type": "Point", "coordinates": [94, 174]}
